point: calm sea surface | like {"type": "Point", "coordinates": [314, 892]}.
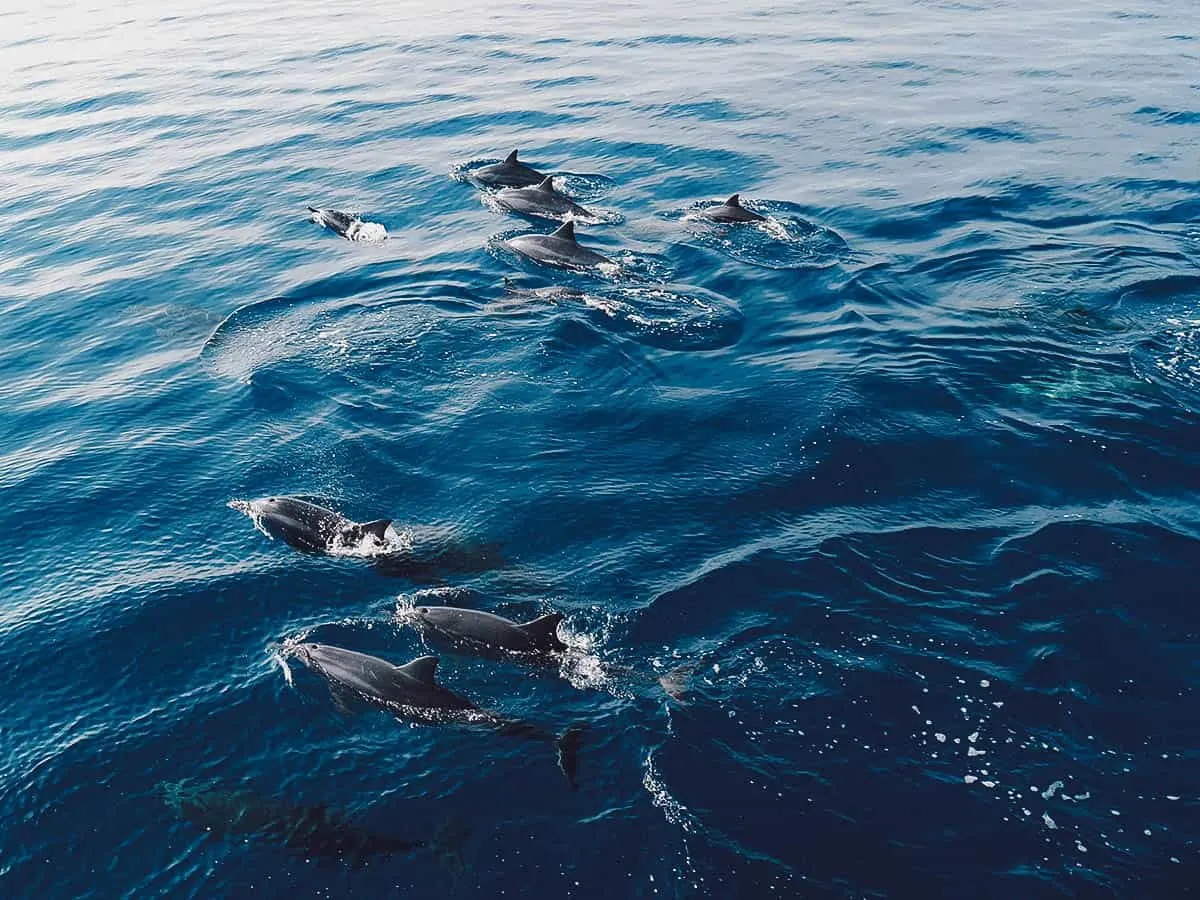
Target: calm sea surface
{"type": "Point", "coordinates": [906, 480]}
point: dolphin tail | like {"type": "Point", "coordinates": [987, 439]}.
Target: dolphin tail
{"type": "Point", "coordinates": [567, 746]}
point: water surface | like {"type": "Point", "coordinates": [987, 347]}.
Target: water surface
{"type": "Point", "coordinates": [908, 479]}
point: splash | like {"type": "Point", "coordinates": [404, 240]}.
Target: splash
{"type": "Point", "coordinates": [280, 661]}
{"type": "Point", "coordinates": [395, 541]}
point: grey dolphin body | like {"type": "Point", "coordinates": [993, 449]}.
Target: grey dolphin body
{"type": "Point", "coordinates": [413, 685]}
{"type": "Point", "coordinates": [345, 224]}
{"type": "Point", "coordinates": [540, 200]}
{"type": "Point", "coordinates": [510, 173]}
{"type": "Point", "coordinates": [411, 690]}
{"type": "Point", "coordinates": [492, 632]}
{"type": "Point", "coordinates": [557, 249]}
{"type": "Point", "coordinates": [313, 830]}
{"type": "Point", "coordinates": [307, 526]}
{"type": "Point", "coordinates": [730, 211]}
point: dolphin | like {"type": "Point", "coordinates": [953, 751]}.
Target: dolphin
{"type": "Point", "coordinates": [412, 686]}
{"type": "Point", "coordinates": [510, 173]}
{"type": "Point", "coordinates": [412, 691]}
{"type": "Point", "coordinates": [348, 225]}
{"type": "Point", "coordinates": [491, 632]}
{"type": "Point", "coordinates": [730, 211]}
{"type": "Point", "coordinates": [307, 526]}
{"type": "Point", "coordinates": [423, 553]}
{"type": "Point", "coordinates": [557, 249]}
{"type": "Point", "coordinates": [540, 200]}
{"type": "Point", "coordinates": [314, 830]}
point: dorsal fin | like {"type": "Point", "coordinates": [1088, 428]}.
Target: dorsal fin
{"type": "Point", "coordinates": [511, 159]}
{"type": "Point", "coordinates": [735, 200]}
{"type": "Point", "coordinates": [544, 630]}
{"type": "Point", "coordinates": [423, 668]}
{"type": "Point", "coordinates": [378, 528]}
{"type": "Point", "coordinates": [356, 531]}
{"type": "Point", "coordinates": [547, 183]}
{"type": "Point", "coordinates": [566, 231]}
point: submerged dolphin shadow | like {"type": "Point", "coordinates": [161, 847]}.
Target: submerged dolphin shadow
{"type": "Point", "coordinates": [317, 831]}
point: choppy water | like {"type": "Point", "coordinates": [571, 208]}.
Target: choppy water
{"type": "Point", "coordinates": [908, 476]}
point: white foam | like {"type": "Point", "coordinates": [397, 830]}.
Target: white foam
{"type": "Point", "coordinates": [676, 813]}
{"type": "Point", "coordinates": [287, 672]}
{"type": "Point", "coordinates": [1049, 792]}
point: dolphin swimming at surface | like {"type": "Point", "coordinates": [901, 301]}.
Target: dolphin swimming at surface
{"type": "Point", "coordinates": [412, 691]}
{"type": "Point", "coordinates": [558, 249]}
{"type": "Point", "coordinates": [413, 686]}
{"type": "Point", "coordinates": [313, 830]}
{"type": "Point", "coordinates": [349, 225]}
{"type": "Point", "coordinates": [306, 526]}
{"type": "Point", "coordinates": [491, 632]}
{"type": "Point", "coordinates": [423, 553]}
{"type": "Point", "coordinates": [540, 200]}
{"type": "Point", "coordinates": [510, 173]}
{"type": "Point", "coordinates": [486, 634]}
{"type": "Point", "coordinates": [730, 211]}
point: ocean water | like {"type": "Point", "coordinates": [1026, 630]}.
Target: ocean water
{"type": "Point", "coordinates": [900, 486]}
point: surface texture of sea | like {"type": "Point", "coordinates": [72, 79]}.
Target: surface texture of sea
{"type": "Point", "coordinates": [906, 480]}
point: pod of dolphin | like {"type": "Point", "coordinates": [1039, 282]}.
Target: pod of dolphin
{"type": "Point", "coordinates": [412, 691]}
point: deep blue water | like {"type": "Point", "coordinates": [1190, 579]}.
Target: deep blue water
{"type": "Point", "coordinates": [909, 477]}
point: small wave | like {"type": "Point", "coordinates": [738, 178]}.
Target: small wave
{"type": "Point", "coordinates": [674, 811]}
{"type": "Point", "coordinates": [784, 240]}
{"type": "Point", "coordinates": [688, 319]}
{"type": "Point", "coordinates": [582, 187]}
{"type": "Point", "coordinates": [262, 333]}
{"type": "Point", "coordinates": [1171, 360]}
{"type": "Point", "coordinates": [631, 266]}
{"type": "Point", "coordinates": [668, 319]}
